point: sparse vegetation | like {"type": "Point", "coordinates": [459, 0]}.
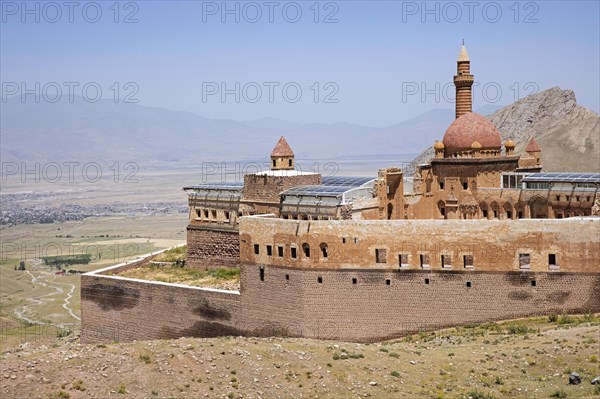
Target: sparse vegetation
{"type": "Point", "coordinates": [145, 358]}
{"type": "Point", "coordinates": [60, 395]}
{"type": "Point", "coordinates": [476, 394]}
{"type": "Point", "coordinates": [78, 385]}
{"type": "Point", "coordinates": [457, 364]}
{"type": "Point", "coordinates": [559, 394]}
{"type": "Point", "coordinates": [185, 275]}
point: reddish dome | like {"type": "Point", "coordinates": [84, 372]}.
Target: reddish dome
{"type": "Point", "coordinates": [469, 128]}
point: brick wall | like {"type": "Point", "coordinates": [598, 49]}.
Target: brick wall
{"type": "Point", "coordinates": [265, 188]}
{"type": "Point", "coordinates": [363, 305]}
{"type": "Point", "coordinates": [212, 247]}
{"type": "Point", "coordinates": [117, 309]}
{"type": "Point", "coordinates": [350, 305]}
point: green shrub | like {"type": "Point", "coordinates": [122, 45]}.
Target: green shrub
{"type": "Point", "coordinates": [224, 274]}
{"type": "Point", "coordinates": [517, 329]}
{"type": "Point", "coordinates": [394, 354]}
{"type": "Point", "coordinates": [145, 358]}
{"type": "Point", "coordinates": [476, 394]}
{"type": "Point", "coordinates": [78, 385]}
{"type": "Point", "coordinates": [553, 318]}
{"type": "Point", "coordinates": [122, 389]}
{"type": "Point", "coordinates": [395, 374]}
{"type": "Point", "coordinates": [565, 319]}
{"type": "Point", "coordinates": [559, 394]}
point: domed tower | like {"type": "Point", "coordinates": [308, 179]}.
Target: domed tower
{"type": "Point", "coordinates": [463, 80]}
{"type": "Point", "coordinates": [282, 157]}
{"type": "Point", "coordinates": [468, 129]}
{"type": "Point", "coordinates": [509, 145]}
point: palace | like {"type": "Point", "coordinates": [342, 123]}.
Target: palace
{"type": "Point", "coordinates": [484, 235]}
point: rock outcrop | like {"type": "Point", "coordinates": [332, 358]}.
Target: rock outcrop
{"type": "Point", "coordinates": [568, 134]}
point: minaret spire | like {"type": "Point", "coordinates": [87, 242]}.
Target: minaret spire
{"type": "Point", "coordinates": [463, 80]}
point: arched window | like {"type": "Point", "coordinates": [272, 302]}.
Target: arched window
{"type": "Point", "coordinates": [484, 210]}
{"type": "Point", "coordinates": [495, 210]}
{"type": "Point", "coordinates": [306, 250]}
{"type": "Point", "coordinates": [442, 209]}
{"type": "Point", "coordinates": [508, 210]}
{"type": "Point", "coordinates": [324, 252]}
{"type": "Point", "coordinates": [538, 208]}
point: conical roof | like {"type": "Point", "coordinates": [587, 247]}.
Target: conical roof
{"type": "Point", "coordinates": [282, 149]}
{"type": "Point", "coordinates": [463, 56]}
{"type": "Point", "coordinates": [533, 146]}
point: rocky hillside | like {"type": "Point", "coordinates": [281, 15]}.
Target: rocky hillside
{"type": "Point", "coordinates": [568, 134]}
{"type": "Point", "coordinates": [521, 359]}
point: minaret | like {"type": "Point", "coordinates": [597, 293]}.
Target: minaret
{"type": "Point", "coordinates": [463, 80]}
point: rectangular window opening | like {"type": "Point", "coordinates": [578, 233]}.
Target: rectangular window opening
{"type": "Point", "coordinates": [381, 255]}
{"type": "Point", "coordinates": [287, 277]}
{"type": "Point", "coordinates": [552, 261]}
{"type": "Point", "coordinates": [468, 284]}
{"type": "Point", "coordinates": [525, 261]}
{"type": "Point", "coordinates": [468, 261]}
{"type": "Point", "coordinates": [533, 283]}
{"type": "Point", "coordinates": [280, 251]}
{"type": "Point", "coordinates": [256, 249]}
{"type": "Point", "coordinates": [293, 251]}
{"type": "Point", "coordinates": [262, 274]}
{"type": "Point", "coordinates": [388, 281]}
{"type": "Point", "coordinates": [354, 280]}
{"type": "Point", "coordinates": [403, 260]}
{"type": "Point", "coordinates": [426, 281]}
{"type": "Point", "coordinates": [446, 261]}
{"type": "Point", "coordinates": [320, 280]}
{"type": "Point", "coordinates": [270, 250]}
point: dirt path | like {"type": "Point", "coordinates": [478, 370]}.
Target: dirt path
{"type": "Point", "coordinates": [46, 280]}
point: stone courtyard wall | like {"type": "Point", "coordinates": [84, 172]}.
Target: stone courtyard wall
{"type": "Point", "coordinates": [212, 247]}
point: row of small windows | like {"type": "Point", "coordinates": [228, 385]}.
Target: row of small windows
{"type": "Point", "coordinates": [469, 284]}
{"type": "Point", "coordinates": [293, 250]}
{"type": "Point", "coordinates": [305, 217]}
{"type": "Point", "coordinates": [577, 198]}
{"type": "Point", "coordinates": [468, 261]}
{"type": "Point", "coordinates": [213, 214]}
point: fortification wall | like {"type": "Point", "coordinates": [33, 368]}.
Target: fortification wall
{"type": "Point", "coordinates": [119, 309]}
{"type": "Point", "coordinates": [212, 247]}
{"type": "Point", "coordinates": [371, 309]}
{"type": "Point", "coordinates": [573, 245]}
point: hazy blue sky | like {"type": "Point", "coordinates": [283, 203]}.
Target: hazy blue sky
{"type": "Point", "coordinates": [377, 55]}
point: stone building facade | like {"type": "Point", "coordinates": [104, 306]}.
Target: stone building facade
{"type": "Point", "coordinates": [483, 236]}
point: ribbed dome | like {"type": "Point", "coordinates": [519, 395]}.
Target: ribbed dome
{"type": "Point", "coordinates": [469, 128]}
